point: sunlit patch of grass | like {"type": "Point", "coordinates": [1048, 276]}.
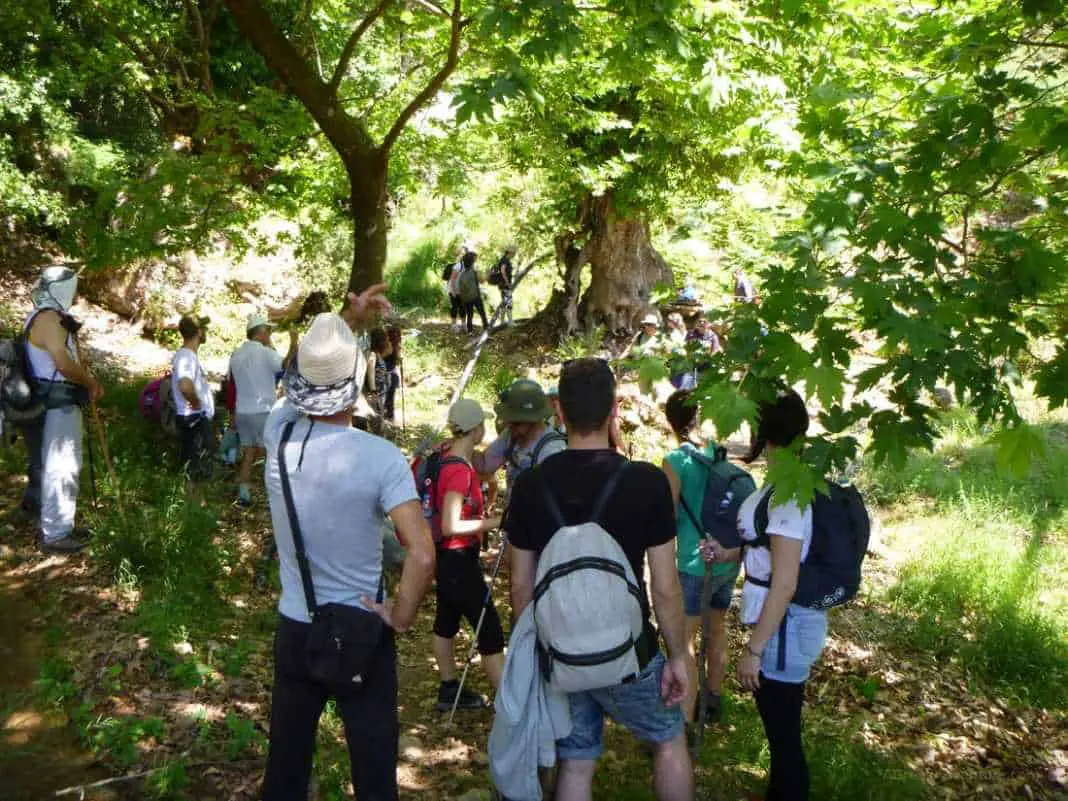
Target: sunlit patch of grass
{"type": "Point", "coordinates": [986, 578]}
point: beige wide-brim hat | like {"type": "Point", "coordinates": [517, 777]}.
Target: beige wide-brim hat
{"type": "Point", "coordinates": [651, 319]}
{"type": "Point", "coordinates": [330, 368]}
{"type": "Point", "coordinates": [466, 415]}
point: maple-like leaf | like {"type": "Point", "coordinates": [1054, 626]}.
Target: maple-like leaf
{"type": "Point", "coordinates": [725, 405]}
{"type": "Point", "coordinates": [1017, 448]}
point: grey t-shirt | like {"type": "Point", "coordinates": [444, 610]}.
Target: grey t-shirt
{"type": "Point", "coordinates": [522, 458]}
{"type": "Point", "coordinates": [346, 484]}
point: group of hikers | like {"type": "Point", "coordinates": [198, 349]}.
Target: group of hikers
{"type": "Point", "coordinates": [580, 525]}
{"type": "Point", "coordinates": [464, 287]}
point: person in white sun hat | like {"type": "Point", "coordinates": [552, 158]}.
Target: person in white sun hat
{"type": "Point", "coordinates": [330, 488]}
{"type": "Point", "coordinates": [255, 368]}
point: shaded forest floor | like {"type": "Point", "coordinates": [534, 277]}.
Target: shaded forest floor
{"type": "Point", "coordinates": [152, 651]}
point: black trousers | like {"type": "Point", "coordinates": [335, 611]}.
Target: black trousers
{"type": "Point", "coordinates": [368, 711]}
{"type": "Point", "coordinates": [456, 308]}
{"type": "Point", "coordinates": [196, 447]}
{"type": "Point", "coordinates": [779, 705]}
{"type": "Point", "coordinates": [33, 436]}
{"type": "Point", "coordinates": [469, 313]}
{"type": "Point", "coordinates": [461, 592]}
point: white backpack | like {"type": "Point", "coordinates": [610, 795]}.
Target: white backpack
{"type": "Point", "coordinates": [587, 604]}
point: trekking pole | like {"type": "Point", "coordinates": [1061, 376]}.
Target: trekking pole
{"type": "Point", "coordinates": [478, 626]}
{"type": "Point", "coordinates": [702, 669]}
{"type": "Point", "coordinates": [404, 423]}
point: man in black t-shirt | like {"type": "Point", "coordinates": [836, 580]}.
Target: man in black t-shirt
{"type": "Point", "coordinates": [640, 515]}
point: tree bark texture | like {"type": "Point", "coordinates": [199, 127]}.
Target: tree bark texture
{"type": "Point", "coordinates": [368, 204]}
{"type": "Point", "coordinates": [624, 269]}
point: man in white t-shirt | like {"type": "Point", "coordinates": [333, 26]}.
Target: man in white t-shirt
{"type": "Point", "coordinates": [193, 402]}
{"type": "Point", "coordinates": [255, 368]}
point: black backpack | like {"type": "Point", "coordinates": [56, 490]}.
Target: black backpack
{"type": "Point", "coordinates": [495, 277]}
{"type": "Point", "coordinates": [726, 487]}
{"type": "Point", "coordinates": [550, 435]}
{"type": "Point", "coordinates": [830, 575]}
{"type": "Point", "coordinates": [20, 401]}
{"type": "Point", "coordinates": [446, 271]}
{"type": "Point", "coordinates": [426, 471]}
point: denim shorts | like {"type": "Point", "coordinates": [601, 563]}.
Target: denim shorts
{"type": "Point", "coordinates": [636, 705]}
{"type": "Point", "coordinates": [804, 632]}
{"type": "Point", "coordinates": [721, 590]}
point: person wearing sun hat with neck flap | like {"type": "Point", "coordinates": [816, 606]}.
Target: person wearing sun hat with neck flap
{"type": "Point", "coordinates": [344, 483]}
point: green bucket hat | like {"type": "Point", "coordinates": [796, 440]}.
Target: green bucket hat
{"type": "Point", "coordinates": [523, 402]}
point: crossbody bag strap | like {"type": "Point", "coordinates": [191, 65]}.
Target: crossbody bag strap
{"type": "Point", "coordinates": [294, 525]}
{"type": "Point", "coordinates": [693, 518]}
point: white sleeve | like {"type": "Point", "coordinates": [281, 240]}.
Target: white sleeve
{"type": "Point", "coordinates": [788, 520]}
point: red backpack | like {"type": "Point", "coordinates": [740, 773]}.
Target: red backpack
{"type": "Point", "coordinates": [151, 402]}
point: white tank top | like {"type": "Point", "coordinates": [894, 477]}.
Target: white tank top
{"type": "Point", "coordinates": [40, 360]}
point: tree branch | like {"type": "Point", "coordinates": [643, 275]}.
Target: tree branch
{"type": "Point", "coordinates": [1036, 43]}
{"type": "Point", "coordinates": [433, 8]}
{"type": "Point", "coordinates": [348, 136]}
{"type": "Point", "coordinates": [456, 26]}
{"type": "Point", "coordinates": [204, 44]}
{"type": "Point", "coordinates": [354, 38]}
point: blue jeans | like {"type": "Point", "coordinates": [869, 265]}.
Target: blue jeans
{"type": "Point", "coordinates": [803, 633]}
{"type": "Point", "coordinates": [721, 590]}
{"type": "Point", "coordinates": [636, 704]}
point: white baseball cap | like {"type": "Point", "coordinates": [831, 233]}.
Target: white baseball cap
{"type": "Point", "coordinates": [255, 320]}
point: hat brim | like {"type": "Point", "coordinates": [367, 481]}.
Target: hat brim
{"type": "Point", "coordinates": [506, 415]}
{"type": "Point", "coordinates": [321, 401]}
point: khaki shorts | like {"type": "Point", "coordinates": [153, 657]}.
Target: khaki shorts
{"type": "Point", "coordinates": [250, 429]}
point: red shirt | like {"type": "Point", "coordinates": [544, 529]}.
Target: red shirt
{"type": "Point", "coordinates": [463, 479]}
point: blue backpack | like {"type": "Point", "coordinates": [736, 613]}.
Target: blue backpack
{"type": "Point", "coordinates": [726, 488]}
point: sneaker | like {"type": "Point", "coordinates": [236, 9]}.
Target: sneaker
{"type": "Point", "coordinates": [68, 544]}
{"type": "Point", "coordinates": [468, 700]}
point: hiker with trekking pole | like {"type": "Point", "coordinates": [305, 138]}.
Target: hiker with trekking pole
{"type": "Point", "coordinates": [451, 496]}
{"type": "Point", "coordinates": [61, 386]}
{"type": "Point", "coordinates": [708, 492]}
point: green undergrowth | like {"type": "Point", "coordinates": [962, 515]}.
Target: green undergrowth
{"type": "Point", "coordinates": [734, 761]}
{"type": "Point", "coordinates": [986, 579]}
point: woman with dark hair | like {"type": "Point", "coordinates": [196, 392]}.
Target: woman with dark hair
{"type": "Point", "coordinates": [785, 639]}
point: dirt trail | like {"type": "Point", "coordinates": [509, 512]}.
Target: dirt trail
{"type": "Point", "coordinates": [39, 753]}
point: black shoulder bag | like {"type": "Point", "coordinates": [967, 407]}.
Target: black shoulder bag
{"type": "Point", "coordinates": [343, 640]}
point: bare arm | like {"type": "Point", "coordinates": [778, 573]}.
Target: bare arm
{"type": "Point", "coordinates": [786, 563]}
{"type": "Point", "coordinates": [523, 565]}
{"type": "Point", "coordinates": [667, 598]}
{"type": "Point", "coordinates": [189, 392]}
{"type": "Point", "coordinates": [418, 570]}
{"type": "Point", "coordinates": [452, 522]}
{"type": "Point", "coordinates": [48, 333]}
{"type": "Point", "coordinates": [291, 354]}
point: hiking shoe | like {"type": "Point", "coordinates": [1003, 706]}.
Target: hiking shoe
{"type": "Point", "coordinates": [447, 691]}
{"type": "Point", "coordinates": [68, 544]}
{"type": "Point", "coordinates": [243, 502]}
{"type": "Point", "coordinates": [82, 533]}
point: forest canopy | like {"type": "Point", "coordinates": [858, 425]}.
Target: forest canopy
{"type": "Point", "coordinates": [909, 160]}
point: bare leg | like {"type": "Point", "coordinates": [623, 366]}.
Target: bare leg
{"type": "Point", "coordinates": [446, 659]}
{"type": "Point", "coordinates": [673, 771]}
{"type": "Point", "coordinates": [494, 667]}
{"type": "Point", "coordinates": [716, 652]}
{"type": "Point", "coordinates": [575, 780]}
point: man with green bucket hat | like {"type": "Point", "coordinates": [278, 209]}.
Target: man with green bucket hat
{"type": "Point", "coordinates": [524, 438]}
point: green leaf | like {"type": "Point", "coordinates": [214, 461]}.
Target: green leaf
{"type": "Point", "coordinates": [726, 406]}
{"type": "Point", "coordinates": [826, 382]}
{"type": "Point", "coordinates": [1017, 448]}
{"type": "Point", "coordinates": [793, 478]}
{"type": "Point", "coordinates": [651, 370]}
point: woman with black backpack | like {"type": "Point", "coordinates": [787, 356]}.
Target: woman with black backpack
{"type": "Point", "coordinates": [785, 638]}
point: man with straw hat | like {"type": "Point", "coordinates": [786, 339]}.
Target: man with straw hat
{"type": "Point", "coordinates": [330, 488]}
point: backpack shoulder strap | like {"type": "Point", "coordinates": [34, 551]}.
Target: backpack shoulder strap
{"type": "Point", "coordinates": [550, 435]}
{"type": "Point", "coordinates": [689, 513]}
{"type": "Point", "coordinates": [550, 501]}
{"type": "Point", "coordinates": [761, 516]}
{"type": "Point", "coordinates": [294, 524]}
{"type": "Point", "coordinates": [606, 492]}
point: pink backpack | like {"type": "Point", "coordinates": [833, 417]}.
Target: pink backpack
{"type": "Point", "coordinates": [151, 398]}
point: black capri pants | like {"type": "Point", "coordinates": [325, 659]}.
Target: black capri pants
{"type": "Point", "coordinates": [461, 591]}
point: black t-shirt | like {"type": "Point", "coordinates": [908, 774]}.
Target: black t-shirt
{"type": "Point", "coordinates": [640, 513]}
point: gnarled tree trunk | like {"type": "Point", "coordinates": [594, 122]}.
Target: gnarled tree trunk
{"type": "Point", "coordinates": [624, 265]}
{"type": "Point", "coordinates": [368, 205]}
